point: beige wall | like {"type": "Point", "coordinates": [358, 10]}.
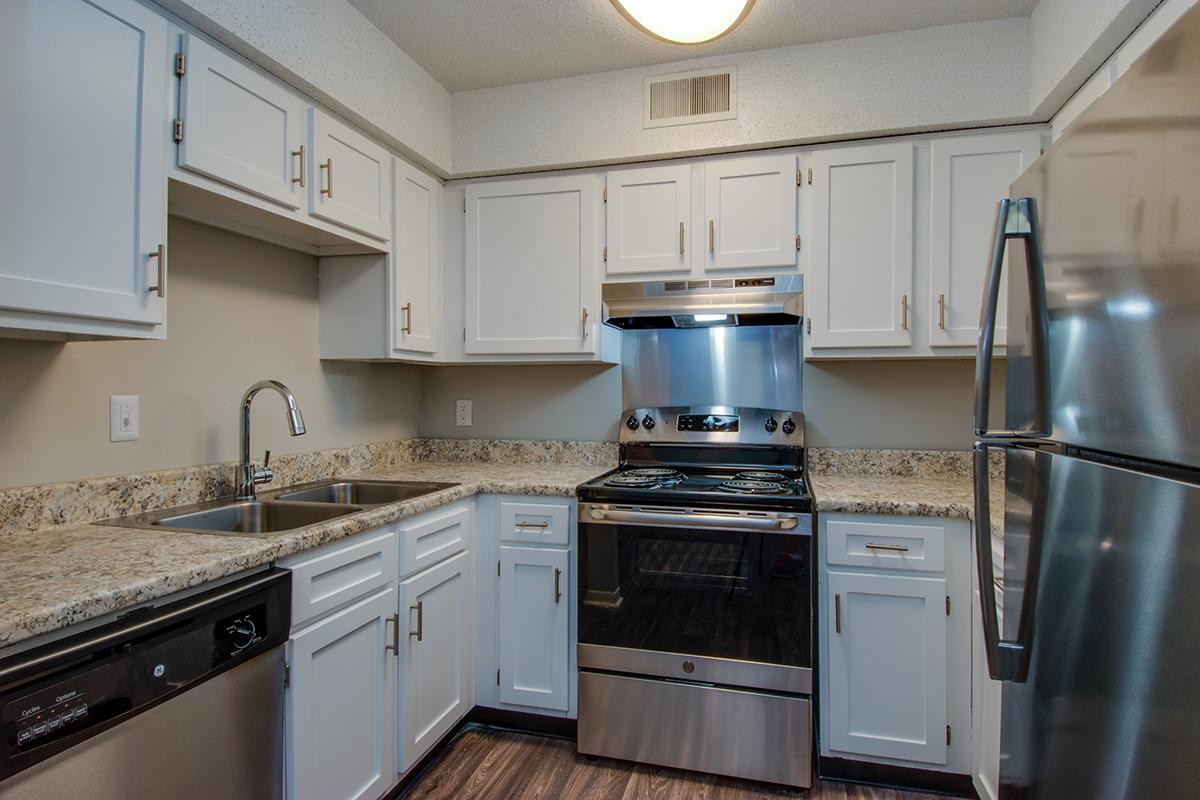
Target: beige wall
{"type": "Point", "coordinates": [239, 310]}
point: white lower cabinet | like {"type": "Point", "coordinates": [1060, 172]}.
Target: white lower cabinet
{"type": "Point", "coordinates": [895, 641]}
{"type": "Point", "coordinates": [887, 666]}
{"type": "Point", "coordinates": [341, 729]}
{"type": "Point", "coordinates": [534, 648]}
{"type": "Point", "coordinates": [435, 632]}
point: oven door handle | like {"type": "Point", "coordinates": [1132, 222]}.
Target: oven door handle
{"type": "Point", "coordinates": [793, 523]}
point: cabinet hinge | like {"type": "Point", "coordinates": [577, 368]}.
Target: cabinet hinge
{"type": "Point", "coordinates": [810, 176]}
{"type": "Point", "coordinates": [180, 64]}
{"type": "Point", "coordinates": [947, 736]}
{"type": "Point", "coordinates": [604, 194]}
{"type": "Point", "coordinates": [497, 677]}
{"type": "Point", "coordinates": [605, 254]}
{"type": "Point", "coordinates": [178, 135]}
{"type": "Point", "coordinates": [947, 605]}
{"type": "Point", "coordinates": [287, 675]}
{"type": "Point", "coordinates": [797, 241]}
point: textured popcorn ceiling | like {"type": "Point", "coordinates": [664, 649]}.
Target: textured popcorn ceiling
{"type": "Point", "coordinates": [471, 44]}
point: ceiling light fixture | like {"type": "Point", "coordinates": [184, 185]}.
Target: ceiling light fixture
{"type": "Point", "coordinates": [685, 21]}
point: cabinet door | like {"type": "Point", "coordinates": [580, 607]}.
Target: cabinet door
{"type": "Point", "coordinates": [435, 608]}
{"type": "Point", "coordinates": [416, 260]}
{"type": "Point", "coordinates": [84, 205]}
{"type": "Point", "coordinates": [531, 266]}
{"type": "Point", "coordinates": [240, 127]}
{"type": "Point", "coordinates": [860, 291]}
{"type": "Point", "coordinates": [750, 205]}
{"type": "Point", "coordinates": [350, 178]}
{"type": "Point", "coordinates": [887, 666]}
{"type": "Point", "coordinates": [341, 724]}
{"type": "Point", "coordinates": [534, 637]}
{"type": "Point", "coordinates": [649, 211]}
{"type": "Point", "coordinates": [969, 175]}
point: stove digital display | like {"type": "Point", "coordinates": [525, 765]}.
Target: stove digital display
{"type": "Point", "coordinates": [709, 423]}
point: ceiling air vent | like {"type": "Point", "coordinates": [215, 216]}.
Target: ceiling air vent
{"type": "Point", "coordinates": [685, 98]}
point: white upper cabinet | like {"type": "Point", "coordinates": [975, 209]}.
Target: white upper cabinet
{"type": "Point", "coordinates": [242, 128]}
{"type": "Point", "coordinates": [534, 640]}
{"type": "Point", "coordinates": [649, 214]}
{"type": "Point", "coordinates": [531, 257]}
{"type": "Point", "coordinates": [350, 178]}
{"type": "Point", "coordinates": [83, 210]}
{"type": "Point", "coordinates": [750, 212]}
{"type": "Point", "coordinates": [969, 175]}
{"type": "Point", "coordinates": [416, 301]}
{"type": "Point", "coordinates": [859, 291]}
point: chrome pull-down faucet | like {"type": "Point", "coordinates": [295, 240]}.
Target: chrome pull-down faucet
{"type": "Point", "coordinates": [249, 474]}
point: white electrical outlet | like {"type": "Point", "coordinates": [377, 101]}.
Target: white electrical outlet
{"type": "Point", "coordinates": [123, 418]}
{"type": "Point", "coordinates": [462, 413]}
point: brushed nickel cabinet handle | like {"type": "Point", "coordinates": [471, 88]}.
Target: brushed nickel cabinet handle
{"type": "Point", "coordinates": [557, 579]}
{"type": "Point", "coordinates": [161, 287]}
{"type": "Point", "coordinates": [328, 167]}
{"type": "Point", "coordinates": [533, 525]}
{"type": "Point", "coordinates": [585, 323]}
{"type": "Point", "coordinates": [420, 631]}
{"type": "Point", "coordinates": [837, 613]}
{"type": "Point", "coordinates": [394, 621]}
{"type": "Point", "coordinates": [904, 312]}
{"type": "Point", "coordinates": [299, 178]}
{"type": "Point", "coordinates": [407, 311]}
{"type": "Point", "coordinates": [681, 238]}
{"type": "Point", "coordinates": [712, 236]}
{"type": "Point", "coordinates": [942, 311]}
{"type": "Point", "coordinates": [899, 548]}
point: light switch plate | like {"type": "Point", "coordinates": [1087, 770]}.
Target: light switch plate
{"type": "Point", "coordinates": [124, 421]}
{"type": "Point", "coordinates": [462, 413]}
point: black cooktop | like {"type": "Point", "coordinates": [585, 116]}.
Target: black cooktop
{"type": "Point", "coordinates": [692, 485]}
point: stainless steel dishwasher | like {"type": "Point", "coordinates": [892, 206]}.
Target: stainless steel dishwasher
{"type": "Point", "coordinates": [183, 700]}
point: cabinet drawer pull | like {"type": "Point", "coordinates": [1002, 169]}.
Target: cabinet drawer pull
{"type": "Point", "coordinates": [942, 311]}
{"type": "Point", "coordinates": [299, 172]}
{"type": "Point", "coordinates": [328, 167]}
{"type": "Point", "coordinates": [532, 525]}
{"type": "Point", "coordinates": [837, 613]}
{"type": "Point", "coordinates": [161, 287]}
{"type": "Point", "coordinates": [681, 238]}
{"type": "Point", "coordinates": [557, 579]}
{"type": "Point", "coordinates": [903, 312]}
{"type": "Point", "coordinates": [407, 310]}
{"type": "Point", "coordinates": [420, 631]}
{"type": "Point", "coordinates": [585, 324]}
{"type": "Point", "coordinates": [899, 548]}
{"type": "Point", "coordinates": [394, 620]}
{"type": "Point", "coordinates": [712, 236]}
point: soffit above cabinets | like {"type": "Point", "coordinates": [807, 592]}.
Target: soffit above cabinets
{"type": "Point", "coordinates": [473, 44]}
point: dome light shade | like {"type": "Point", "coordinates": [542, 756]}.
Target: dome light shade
{"type": "Point", "coordinates": [685, 21]}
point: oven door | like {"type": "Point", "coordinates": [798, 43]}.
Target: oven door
{"type": "Point", "coordinates": [702, 595]}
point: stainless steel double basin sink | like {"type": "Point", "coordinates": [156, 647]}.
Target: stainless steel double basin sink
{"type": "Point", "coordinates": [282, 510]}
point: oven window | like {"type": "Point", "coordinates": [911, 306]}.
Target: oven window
{"type": "Point", "coordinates": [707, 593]}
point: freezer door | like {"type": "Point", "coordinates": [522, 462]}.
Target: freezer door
{"type": "Point", "coordinates": [1102, 596]}
{"type": "Point", "coordinates": [1118, 201]}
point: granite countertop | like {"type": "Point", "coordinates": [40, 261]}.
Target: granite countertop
{"type": "Point", "coordinates": [950, 496]}
{"type": "Point", "coordinates": [52, 579]}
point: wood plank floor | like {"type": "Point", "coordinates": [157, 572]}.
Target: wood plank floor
{"type": "Point", "coordinates": [499, 765]}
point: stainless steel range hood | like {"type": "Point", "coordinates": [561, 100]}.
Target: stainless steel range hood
{"type": "Point", "coordinates": [704, 303]}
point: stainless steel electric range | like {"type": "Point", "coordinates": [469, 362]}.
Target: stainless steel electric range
{"type": "Point", "coordinates": [695, 595]}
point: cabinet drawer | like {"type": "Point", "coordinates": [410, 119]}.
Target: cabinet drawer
{"type": "Point", "coordinates": [434, 537]}
{"type": "Point", "coordinates": [887, 544]}
{"type": "Point", "coordinates": [330, 578]}
{"type": "Point", "coordinates": [535, 523]}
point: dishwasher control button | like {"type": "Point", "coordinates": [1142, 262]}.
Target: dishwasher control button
{"type": "Point", "coordinates": [41, 729]}
{"type": "Point", "coordinates": [54, 723]}
{"type": "Point", "coordinates": [25, 736]}
{"type": "Point", "coordinates": [67, 716]}
{"type": "Point", "coordinates": [81, 711]}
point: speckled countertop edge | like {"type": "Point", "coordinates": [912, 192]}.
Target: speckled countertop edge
{"type": "Point", "coordinates": [53, 579]}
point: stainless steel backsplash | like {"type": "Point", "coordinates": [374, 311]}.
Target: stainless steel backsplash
{"type": "Point", "coordinates": [731, 366]}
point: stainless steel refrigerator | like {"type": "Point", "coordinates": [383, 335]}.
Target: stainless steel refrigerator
{"type": "Point", "coordinates": [1096, 636]}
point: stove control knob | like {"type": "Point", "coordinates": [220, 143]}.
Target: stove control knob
{"type": "Point", "coordinates": [648, 422]}
{"type": "Point", "coordinates": [789, 427]}
{"type": "Point", "coordinates": [771, 425]}
{"type": "Point", "coordinates": [632, 422]}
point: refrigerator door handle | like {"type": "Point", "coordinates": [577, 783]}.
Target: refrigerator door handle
{"type": "Point", "coordinates": [1015, 219]}
{"type": "Point", "coordinates": [1007, 660]}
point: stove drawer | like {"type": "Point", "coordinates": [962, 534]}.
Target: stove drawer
{"type": "Point", "coordinates": [746, 734]}
{"type": "Point", "coordinates": [535, 523]}
{"type": "Point", "coordinates": [859, 540]}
